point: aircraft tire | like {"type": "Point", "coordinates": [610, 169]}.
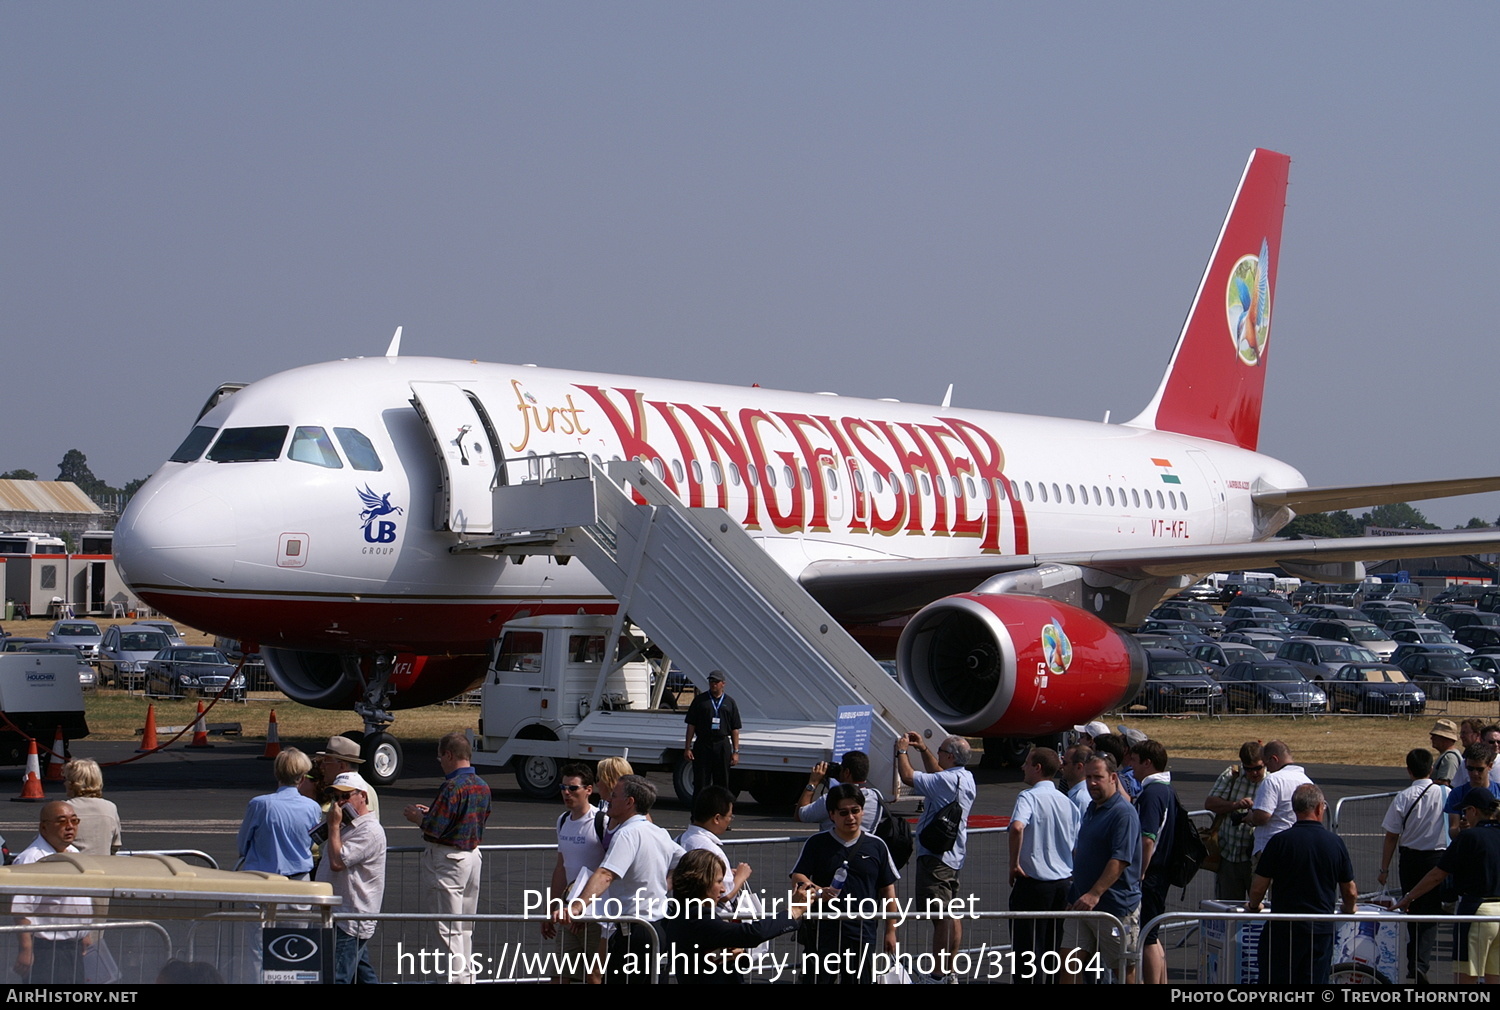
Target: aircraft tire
{"type": "Point", "coordinates": [383, 759]}
{"type": "Point", "coordinates": [682, 781]}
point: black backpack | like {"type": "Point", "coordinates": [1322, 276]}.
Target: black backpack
{"type": "Point", "coordinates": [895, 832]}
{"type": "Point", "coordinates": [1188, 850]}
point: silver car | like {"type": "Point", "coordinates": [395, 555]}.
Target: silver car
{"type": "Point", "coordinates": [84, 635]}
{"type": "Point", "coordinates": [126, 650]}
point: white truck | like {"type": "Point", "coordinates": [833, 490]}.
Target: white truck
{"type": "Point", "coordinates": [555, 692]}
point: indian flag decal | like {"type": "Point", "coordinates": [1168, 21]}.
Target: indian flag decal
{"type": "Point", "coordinates": [1167, 476]}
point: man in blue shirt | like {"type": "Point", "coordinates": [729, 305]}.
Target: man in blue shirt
{"type": "Point", "coordinates": [945, 782]}
{"type": "Point", "coordinates": [275, 835]}
{"type": "Point", "coordinates": [1477, 761]}
{"type": "Point", "coordinates": [1043, 830]}
{"type": "Point", "coordinates": [1107, 867]}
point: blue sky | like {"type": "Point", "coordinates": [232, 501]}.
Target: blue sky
{"type": "Point", "coordinates": [872, 198]}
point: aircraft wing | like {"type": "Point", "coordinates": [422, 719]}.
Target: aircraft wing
{"type": "Point", "coordinates": [1303, 500]}
{"type": "Point", "coordinates": [876, 590]}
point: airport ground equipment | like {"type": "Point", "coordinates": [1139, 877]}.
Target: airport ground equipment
{"type": "Point", "coordinates": [38, 693]}
{"type": "Point", "coordinates": [704, 594]}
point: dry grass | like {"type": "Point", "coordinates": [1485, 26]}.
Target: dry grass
{"type": "Point", "coordinates": [1361, 740]}
{"type": "Point", "coordinates": [115, 715]}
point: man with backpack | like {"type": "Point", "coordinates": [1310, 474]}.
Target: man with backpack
{"type": "Point", "coordinates": [949, 791]}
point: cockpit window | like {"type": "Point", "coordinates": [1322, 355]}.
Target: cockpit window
{"type": "Point", "coordinates": [242, 445]}
{"type": "Point", "coordinates": [357, 447]}
{"type": "Point", "coordinates": [312, 445]}
{"type": "Point", "coordinates": [192, 447]}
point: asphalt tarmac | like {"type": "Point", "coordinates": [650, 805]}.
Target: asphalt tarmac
{"type": "Point", "coordinates": [194, 799]}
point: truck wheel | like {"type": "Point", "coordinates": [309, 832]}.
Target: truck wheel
{"type": "Point", "coordinates": [539, 776]}
{"type": "Point", "coordinates": [682, 781]}
{"type": "Point", "coordinates": [383, 758]}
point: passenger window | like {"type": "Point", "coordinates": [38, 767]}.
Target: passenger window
{"type": "Point", "coordinates": [718, 473]}
{"type": "Point", "coordinates": [1135, 498]}
{"type": "Point", "coordinates": [1043, 488]}
{"type": "Point", "coordinates": [1110, 494]}
{"type": "Point", "coordinates": [312, 445]}
{"type": "Point", "coordinates": [1028, 491]}
{"type": "Point", "coordinates": [876, 480]}
{"type": "Point", "coordinates": [1070, 495]}
{"type": "Point", "coordinates": [192, 447]}
{"type": "Point", "coordinates": [973, 492]}
{"type": "Point", "coordinates": [941, 484]}
{"type": "Point", "coordinates": [770, 475]}
{"type": "Point", "coordinates": [1056, 494]}
{"type": "Point", "coordinates": [677, 471]}
{"type": "Point", "coordinates": [244, 445]}
{"type": "Point", "coordinates": [697, 472]}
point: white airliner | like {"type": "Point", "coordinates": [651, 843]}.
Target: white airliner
{"type": "Point", "coordinates": [315, 513]}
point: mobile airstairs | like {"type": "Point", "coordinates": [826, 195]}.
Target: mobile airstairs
{"type": "Point", "coordinates": [695, 584]}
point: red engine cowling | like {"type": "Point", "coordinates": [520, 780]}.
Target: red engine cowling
{"type": "Point", "coordinates": [1009, 665]}
{"type": "Point", "coordinates": [320, 679]}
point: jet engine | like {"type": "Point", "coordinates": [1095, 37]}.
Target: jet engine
{"type": "Point", "coordinates": [1012, 665]}
{"type": "Point", "coordinates": [332, 680]}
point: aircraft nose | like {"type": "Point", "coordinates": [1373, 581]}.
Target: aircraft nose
{"type": "Point", "coordinates": [175, 534]}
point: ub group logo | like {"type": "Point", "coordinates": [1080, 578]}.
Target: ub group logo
{"type": "Point", "coordinates": [1057, 651]}
{"type": "Point", "coordinates": [377, 530]}
{"type": "Point", "coordinates": [1248, 305]}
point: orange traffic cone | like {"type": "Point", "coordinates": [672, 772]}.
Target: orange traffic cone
{"type": "Point", "coordinates": [31, 785]}
{"type": "Point", "coordinates": [273, 739]}
{"type": "Point", "coordinates": [200, 732]}
{"type": "Point", "coordinates": [55, 762]}
{"type": "Point", "coordinates": [148, 735]}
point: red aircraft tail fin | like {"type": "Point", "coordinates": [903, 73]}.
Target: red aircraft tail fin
{"type": "Point", "coordinates": [1217, 374]}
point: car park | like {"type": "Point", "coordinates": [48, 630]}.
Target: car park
{"type": "Point", "coordinates": [124, 652]}
{"type": "Point", "coordinates": [1374, 687]}
{"type": "Point", "coordinates": [1271, 686]}
{"type": "Point", "coordinates": [84, 635]}
{"type": "Point", "coordinates": [1446, 676]}
{"type": "Point", "coordinates": [181, 670]}
{"type": "Point", "coordinates": [1175, 682]}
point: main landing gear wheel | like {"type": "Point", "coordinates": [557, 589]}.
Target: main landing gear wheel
{"type": "Point", "coordinates": [383, 759]}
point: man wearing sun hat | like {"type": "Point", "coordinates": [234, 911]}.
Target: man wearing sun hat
{"type": "Point", "coordinates": [354, 863]}
{"type": "Point", "coordinates": [341, 755]}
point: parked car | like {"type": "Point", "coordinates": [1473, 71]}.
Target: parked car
{"type": "Point", "coordinates": [1446, 676]}
{"type": "Point", "coordinates": [125, 651]}
{"type": "Point", "coordinates": [1175, 682]}
{"type": "Point", "coordinates": [1225, 654]}
{"type": "Point", "coordinates": [182, 670]}
{"type": "Point", "coordinates": [1319, 657]}
{"type": "Point", "coordinates": [1360, 632]}
{"type": "Point", "coordinates": [85, 635]}
{"type": "Point", "coordinates": [1271, 686]}
{"type": "Point", "coordinates": [167, 628]}
{"type": "Point", "coordinates": [1374, 687]}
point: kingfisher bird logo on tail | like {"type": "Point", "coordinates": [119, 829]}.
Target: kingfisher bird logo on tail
{"type": "Point", "coordinates": [1213, 386]}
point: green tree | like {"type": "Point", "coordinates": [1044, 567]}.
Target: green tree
{"type": "Point", "coordinates": [19, 475]}
{"type": "Point", "coordinates": [1323, 524]}
{"type": "Point", "coordinates": [75, 467]}
{"type": "Point", "coordinates": [1398, 516]}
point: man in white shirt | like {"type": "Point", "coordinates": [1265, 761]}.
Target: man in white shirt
{"type": "Point", "coordinates": [580, 848]}
{"type": "Point", "coordinates": [713, 812]}
{"type": "Point", "coordinates": [1272, 813]}
{"type": "Point", "coordinates": [1414, 822]}
{"type": "Point", "coordinates": [636, 869]}
{"type": "Point", "coordinates": [1043, 831]}
{"type": "Point", "coordinates": [853, 769]}
{"type": "Point", "coordinates": [354, 863]}
{"type": "Point", "coordinates": [51, 956]}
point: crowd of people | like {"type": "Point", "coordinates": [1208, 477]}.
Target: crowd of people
{"type": "Point", "coordinates": [1099, 828]}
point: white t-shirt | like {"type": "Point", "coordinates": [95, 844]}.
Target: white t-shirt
{"type": "Point", "coordinates": [1416, 816]}
{"type": "Point", "coordinates": [1274, 795]}
{"type": "Point", "coordinates": [579, 843]}
{"type": "Point", "coordinates": [640, 856]}
{"type": "Point", "coordinates": [696, 837]}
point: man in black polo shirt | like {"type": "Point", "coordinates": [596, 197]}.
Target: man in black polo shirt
{"type": "Point", "coordinates": [713, 735]}
{"type": "Point", "coordinates": [1311, 871]}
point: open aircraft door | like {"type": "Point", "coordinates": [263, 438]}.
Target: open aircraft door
{"type": "Point", "coordinates": [468, 449]}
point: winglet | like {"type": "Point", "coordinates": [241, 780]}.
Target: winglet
{"type": "Point", "coordinates": [1217, 374]}
{"type": "Point", "coordinates": [394, 350]}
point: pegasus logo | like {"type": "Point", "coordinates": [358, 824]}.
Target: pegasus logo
{"type": "Point", "coordinates": [377, 505]}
